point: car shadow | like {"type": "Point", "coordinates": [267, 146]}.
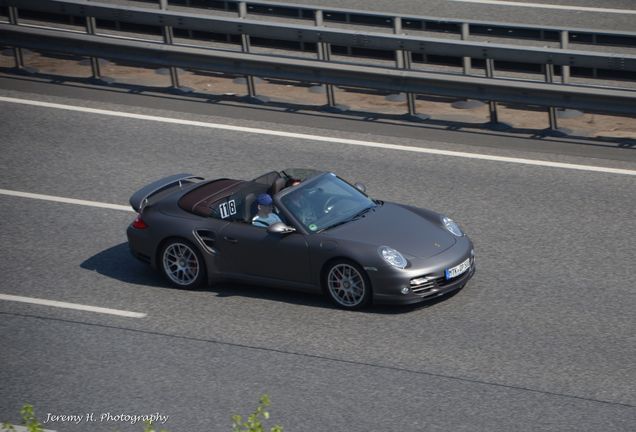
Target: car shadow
{"type": "Point", "coordinates": [117, 263]}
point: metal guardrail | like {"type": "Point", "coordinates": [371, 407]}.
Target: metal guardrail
{"type": "Point", "coordinates": [395, 80]}
{"type": "Point", "coordinates": [334, 36]}
{"type": "Point", "coordinates": [416, 22]}
{"type": "Point", "coordinates": [399, 79]}
{"type": "Point", "coordinates": [465, 29]}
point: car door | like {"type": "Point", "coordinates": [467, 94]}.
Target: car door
{"type": "Point", "coordinates": [251, 250]}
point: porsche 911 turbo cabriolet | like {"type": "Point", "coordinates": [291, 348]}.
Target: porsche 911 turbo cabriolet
{"type": "Point", "coordinates": [329, 236]}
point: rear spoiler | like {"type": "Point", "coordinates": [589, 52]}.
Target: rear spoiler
{"type": "Point", "coordinates": [138, 199]}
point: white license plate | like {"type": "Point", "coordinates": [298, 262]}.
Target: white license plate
{"type": "Point", "coordinates": [457, 270]}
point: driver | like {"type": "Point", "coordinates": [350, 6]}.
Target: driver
{"type": "Point", "coordinates": [265, 217]}
{"type": "Point", "coordinates": [300, 206]}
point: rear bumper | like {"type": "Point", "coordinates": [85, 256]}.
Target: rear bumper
{"type": "Point", "coordinates": [140, 245]}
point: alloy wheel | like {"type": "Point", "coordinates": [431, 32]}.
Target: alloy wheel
{"type": "Point", "coordinates": [181, 264]}
{"type": "Point", "coordinates": [346, 285]}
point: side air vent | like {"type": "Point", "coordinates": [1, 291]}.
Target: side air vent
{"type": "Point", "coordinates": [207, 239]}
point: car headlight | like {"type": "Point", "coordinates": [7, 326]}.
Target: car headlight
{"type": "Point", "coordinates": [452, 226]}
{"type": "Point", "coordinates": [392, 256]}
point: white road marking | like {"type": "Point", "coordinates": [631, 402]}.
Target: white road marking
{"type": "Point", "coordinates": [75, 306]}
{"type": "Point", "coordinates": [550, 6]}
{"type": "Point", "coordinates": [66, 200]}
{"type": "Point", "coordinates": [327, 139]}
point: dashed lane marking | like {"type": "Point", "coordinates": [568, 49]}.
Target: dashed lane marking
{"type": "Point", "coordinates": [76, 306]}
{"type": "Point", "coordinates": [65, 200]}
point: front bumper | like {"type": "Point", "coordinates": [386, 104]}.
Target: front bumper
{"type": "Point", "coordinates": [437, 291]}
{"type": "Point", "coordinates": [388, 284]}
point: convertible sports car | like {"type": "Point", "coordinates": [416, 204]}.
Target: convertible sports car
{"type": "Point", "coordinates": [333, 238]}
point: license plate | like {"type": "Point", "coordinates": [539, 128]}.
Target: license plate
{"type": "Point", "coordinates": [457, 270]}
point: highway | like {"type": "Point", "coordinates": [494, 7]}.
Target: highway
{"type": "Point", "coordinates": [542, 339]}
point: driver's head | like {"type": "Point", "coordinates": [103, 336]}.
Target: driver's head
{"type": "Point", "coordinates": [264, 200]}
{"type": "Point", "coordinates": [265, 203]}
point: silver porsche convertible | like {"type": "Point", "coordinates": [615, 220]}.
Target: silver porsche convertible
{"type": "Point", "coordinates": [328, 236]}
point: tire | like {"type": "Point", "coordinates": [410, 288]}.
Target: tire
{"type": "Point", "coordinates": [347, 285]}
{"type": "Point", "coordinates": [182, 264]}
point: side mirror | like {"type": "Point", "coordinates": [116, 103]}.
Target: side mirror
{"type": "Point", "coordinates": [280, 228]}
{"type": "Point", "coordinates": [362, 188]}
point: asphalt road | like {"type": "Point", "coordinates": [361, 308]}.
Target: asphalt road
{"type": "Point", "coordinates": [542, 339]}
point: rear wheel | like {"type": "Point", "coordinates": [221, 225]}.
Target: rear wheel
{"type": "Point", "coordinates": [347, 285]}
{"type": "Point", "coordinates": [182, 264]}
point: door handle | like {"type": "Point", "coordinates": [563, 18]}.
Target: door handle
{"type": "Point", "coordinates": [230, 239]}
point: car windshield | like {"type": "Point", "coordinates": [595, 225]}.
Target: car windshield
{"type": "Point", "coordinates": [325, 202]}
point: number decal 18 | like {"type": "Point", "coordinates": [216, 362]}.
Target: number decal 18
{"type": "Point", "coordinates": [227, 208]}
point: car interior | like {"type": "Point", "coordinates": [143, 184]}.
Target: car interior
{"type": "Point", "coordinates": [233, 200]}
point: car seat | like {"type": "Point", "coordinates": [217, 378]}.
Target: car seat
{"type": "Point", "coordinates": [249, 207]}
{"type": "Point", "coordinates": [276, 187]}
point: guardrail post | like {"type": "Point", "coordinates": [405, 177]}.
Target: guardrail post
{"type": "Point", "coordinates": [552, 112]}
{"type": "Point", "coordinates": [492, 105]}
{"type": "Point", "coordinates": [17, 51]}
{"type": "Point", "coordinates": [565, 70]}
{"type": "Point", "coordinates": [168, 38]}
{"type": "Point", "coordinates": [399, 56]}
{"type": "Point", "coordinates": [467, 61]}
{"type": "Point", "coordinates": [565, 77]}
{"type": "Point", "coordinates": [467, 65]}
{"type": "Point", "coordinates": [91, 29]}
{"type": "Point", "coordinates": [594, 70]}
{"type": "Point", "coordinates": [245, 47]}
{"type": "Point", "coordinates": [411, 98]}
{"type": "Point", "coordinates": [403, 60]}
{"type": "Point", "coordinates": [324, 54]}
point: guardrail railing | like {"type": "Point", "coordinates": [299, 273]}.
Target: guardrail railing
{"type": "Point", "coordinates": [400, 23]}
{"type": "Point", "coordinates": [460, 27]}
{"type": "Point", "coordinates": [398, 79]}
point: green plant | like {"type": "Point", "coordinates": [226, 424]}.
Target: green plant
{"type": "Point", "coordinates": [6, 426]}
{"type": "Point", "coordinates": [28, 419]}
{"type": "Point", "coordinates": [253, 423]}
{"type": "Point", "coordinates": [149, 428]}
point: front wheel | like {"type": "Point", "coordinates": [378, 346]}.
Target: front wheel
{"type": "Point", "coordinates": [182, 264]}
{"type": "Point", "coordinates": [347, 285]}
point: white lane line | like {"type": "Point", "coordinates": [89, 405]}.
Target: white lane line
{"type": "Point", "coordinates": [66, 200]}
{"type": "Point", "coordinates": [75, 306]}
{"type": "Point", "coordinates": [327, 139]}
{"type": "Point", "coordinates": [550, 6]}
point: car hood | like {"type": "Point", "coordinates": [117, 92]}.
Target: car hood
{"type": "Point", "coordinates": [397, 227]}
